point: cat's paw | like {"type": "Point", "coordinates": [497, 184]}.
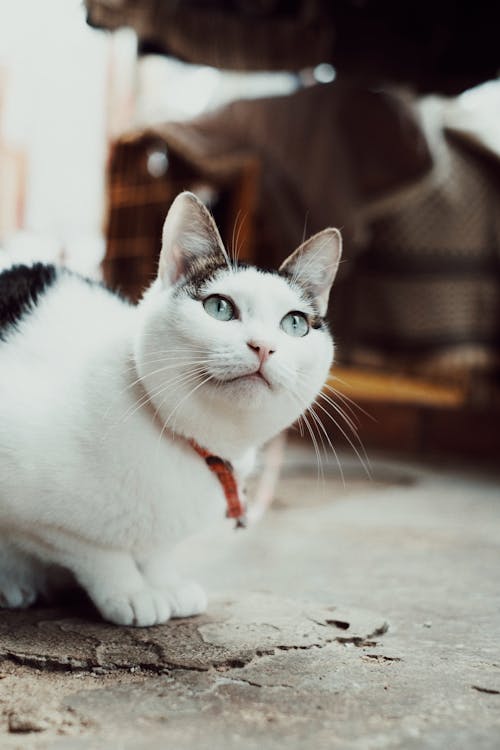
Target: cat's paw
{"type": "Point", "coordinates": [187, 599]}
{"type": "Point", "coordinates": [17, 595]}
{"type": "Point", "coordinates": [141, 608]}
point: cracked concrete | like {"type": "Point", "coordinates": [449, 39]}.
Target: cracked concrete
{"type": "Point", "coordinates": [364, 617]}
{"type": "Point", "coordinates": [232, 634]}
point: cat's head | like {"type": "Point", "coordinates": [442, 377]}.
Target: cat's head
{"type": "Point", "coordinates": [230, 355]}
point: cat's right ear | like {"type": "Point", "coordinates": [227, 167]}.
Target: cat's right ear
{"type": "Point", "coordinates": [315, 263]}
{"type": "Point", "coordinates": [189, 232]}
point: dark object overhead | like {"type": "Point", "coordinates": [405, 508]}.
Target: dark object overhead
{"type": "Point", "coordinates": [445, 46]}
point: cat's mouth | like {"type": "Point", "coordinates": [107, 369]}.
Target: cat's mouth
{"type": "Point", "coordinates": [251, 377]}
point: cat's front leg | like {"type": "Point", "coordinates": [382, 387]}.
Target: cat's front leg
{"type": "Point", "coordinates": [118, 589]}
{"type": "Point", "coordinates": [186, 598]}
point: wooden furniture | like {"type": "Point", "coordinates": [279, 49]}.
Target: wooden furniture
{"type": "Point", "coordinates": [413, 416]}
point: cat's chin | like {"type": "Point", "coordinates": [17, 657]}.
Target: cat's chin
{"type": "Point", "coordinates": [246, 393]}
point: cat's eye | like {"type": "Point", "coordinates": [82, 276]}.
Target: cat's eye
{"type": "Point", "coordinates": [219, 307]}
{"type": "Point", "coordinates": [295, 324]}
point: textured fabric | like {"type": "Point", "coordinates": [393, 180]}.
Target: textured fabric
{"type": "Point", "coordinates": [426, 293]}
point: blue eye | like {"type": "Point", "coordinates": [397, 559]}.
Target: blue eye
{"type": "Point", "coordinates": [219, 307]}
{"type": "Point", "coordinates": [295, 324]}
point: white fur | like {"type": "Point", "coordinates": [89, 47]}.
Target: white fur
{"type": "Point", "coordinates": [88, 480]}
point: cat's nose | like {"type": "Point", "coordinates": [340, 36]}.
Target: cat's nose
{"type": "Point", "coordinates": [263, 351]}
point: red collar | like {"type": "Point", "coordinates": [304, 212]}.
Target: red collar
{"type": "Point", "coordinates": [223, 470]}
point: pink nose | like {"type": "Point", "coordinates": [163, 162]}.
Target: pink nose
{"type": "Point", "coordinates": [263, 351]}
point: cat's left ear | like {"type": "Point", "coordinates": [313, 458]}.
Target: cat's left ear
{"type": "Point", "coordinates": [189, 232]}
{"type": "Point", "coordinates": [315, 263]}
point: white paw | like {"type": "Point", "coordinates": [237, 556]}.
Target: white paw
{"type": "Point", "coordinates": [187, 599]}
{"type": "Point", "coordinates": [17, 595]}
{"type": "Point", "coordinates": [141, 608]}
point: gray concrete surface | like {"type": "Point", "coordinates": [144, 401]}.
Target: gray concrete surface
{"type": "Point", "coordinates": [362, 617]}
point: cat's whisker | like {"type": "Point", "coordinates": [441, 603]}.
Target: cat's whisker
{"type": "Point", "coordinates": [142, 378]}
{"type": "Point", "coordinates": [353, 427]}
{"type": "Point", "coordinates": [304, 231]}
{"type": "Point", "coordinates": [232, 248]}
{"type": "Point", "coordinates": [172, 386]}
{"type": "Point", "coordinates": [303, 416]}
{"type": "Point", "coordinates": [337, 408]}
{"type": "Point", "coordinates": [150, 395]}
{"type": "Point", "coordinates": [172, 351]}
{"type": "Point", "coordinates": [298, 426]}
{"type": "Point", "coordinates": [349, 422]}
{"type": "Point", "coordinates": [336, 394]}
{"type": "Point", "coordinates": [183, 399]}
{"type": "Point", "coordinates": [347, 400]}
{"type": "Point", "coordinates": [169, 388]}
{"type": "Point", "coordinates": [319, 435]}
{"type": "Point", "coordinates": [238, 248]}
{"type": "Point", "coordinates": [170, 361]}
{"type": "Point", "coordinates": [171, 366]}
{"type": "Point", "coordinates": [325, 432]}
{"type": "Point", "coordinates": [315, 445]}
{"type": "Point", "coordinates": [167, 354]}
{"type": "Point", "coordinates": [223, 250]}
{"type": "Point", "coordinates": [363, 460]}
{"type": "Point", "coordinates": [171, 392]}
{"type": "Point", "coordinates": [318, 421]}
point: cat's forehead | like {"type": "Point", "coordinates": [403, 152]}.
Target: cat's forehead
{"type": "Point", "coordinates": [256, 289]}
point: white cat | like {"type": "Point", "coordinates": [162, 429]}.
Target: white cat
{"type": "Point", "coordinates": [100, 403]}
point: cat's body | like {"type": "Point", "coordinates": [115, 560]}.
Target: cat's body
{"type": "Point", "coordinates": [99, 400]}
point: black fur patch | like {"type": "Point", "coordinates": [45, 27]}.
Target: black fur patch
{"type": "Point", "coordinates": [203, 269]}
{"type": "Point", "coordinates": [20, 290]}
{"type": "Point", "coordinates": [199, 271]}
{"type": "Point", "coordinates": [316, 321]}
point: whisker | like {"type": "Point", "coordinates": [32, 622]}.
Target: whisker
{"type": "Point", "coordinates": [238, 248]}
{"type": "Point", "coordinates": [168, 366]}
{"type": "Point", "coordinates": [303, 417]}
{"type": "Point", "coordinates": [324, 430]}
{"type": "Point", "coordinates": [344, 397]}
{"type": "Point", "coordinates": [150, 395]}
{"type": "Point", "coordinates": [361, 452]}
{"type": "Point", "coordinates": [316, 449]}
{"type": "Point", "coordinates": [336, 394]}
{"type": "Point", "coordinates": [188, 395]}
{"type": "Point", "coordinates": [352, 425]}
{"type": "Point", "coordinates": [233, 250]}
{"type": "Point", "coordinates": [366, 466]}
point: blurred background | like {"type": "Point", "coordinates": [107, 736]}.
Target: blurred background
{"type": "Point", "coordinates": [381, 118]}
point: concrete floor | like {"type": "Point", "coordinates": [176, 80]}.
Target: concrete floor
{"type": "Point", "coordinates": [359, 617]}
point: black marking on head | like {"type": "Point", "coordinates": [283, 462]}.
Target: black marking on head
{"type": "Point", "coordinates": [318, 323]}
{"type": "Point", "coordinates": [20, 290]}
{"type": "Point", "coordinates": [199, 272]}
{"type": "Point", "coordinates": [316, 320]}
{"type": "Point", "coordinates": [202, 269]}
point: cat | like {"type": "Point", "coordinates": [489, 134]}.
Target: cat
{"type": "Point", "coordinates": [120, 425]}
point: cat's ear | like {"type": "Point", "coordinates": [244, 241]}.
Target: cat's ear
{"type": "Point", "coordinates": [314, 265]}
{"type": "Point", "coordinates": [189, 232]}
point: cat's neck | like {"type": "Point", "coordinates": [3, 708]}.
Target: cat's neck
{"type": "Point", "coordinates": [221, 436]}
